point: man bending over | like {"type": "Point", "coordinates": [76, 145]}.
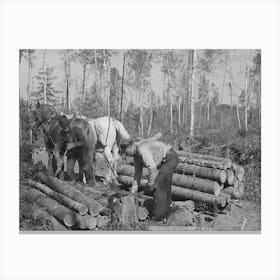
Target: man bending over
{"type": "Point", "coordinates": [161, 161]}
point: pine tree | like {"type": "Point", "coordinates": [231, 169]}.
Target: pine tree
{"type": "Point", "coordinates": [52, 95]}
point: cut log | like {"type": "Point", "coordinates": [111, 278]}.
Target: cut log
{"type": "Point", "coordinates": [230, 176]}
{"type": "Point", "coordinates": [52, 206]}
{"type": "Point", "coordinates": [76, 221]}
{"type": "Point", "coordinates": [69, 191]}
{"type": "Point", "coordinates": [184, 181]}
{"type": "Point", "coordinates": [187, 194]}
{"type": "Point", "coordinates": [189, 204]}
{"type": "Point", "coordinates": [198, 184]}
{"type": "Point", "coordinates": [205, 162]}
{"type": "Point", "coordinates": [238, 171]}
{"type": "Point", "coordinates": [142, 213]}
{"type": "Point", "coordinates": [66, 201]}
{"type": "Point", "coordinates": [55, 224]}
{"type": "Point", "coordinates": [199, 171]}
{"type": "Point", "coordinates": [195, 161]}
{"type": "Point", "coordinates": [102, 222]}
{"type": "Point", "coordinates": [206, 157]}
{"type": "Point", "coordinates": [179, 193]}
{"type": "Point", "coordinates": [202, 172]}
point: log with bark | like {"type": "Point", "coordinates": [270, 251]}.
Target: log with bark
{"type": "Point", "coordinates": [194, 161]}
{"type": "Point", "coordinates": [205, 162]}
{"type": "Point", "coordinates": [69, 191]}
{"type": "Point", "coordinates": [60, 212]}
{"type": "Point", "coordinates": [189, 204]}
{"type": "Point", "coordinates": [230, 176]}
{"type": "Point", "coordinates": [66, 201]}
{"type": "Point", "coordinates": [80, 222]}
{"type": "Point", "coordinates": [184, 181]}
{"type": "Point", "coordinates": [202, 172]}
{"type": "Point", "coordinates": [179, 193]}
{"type": "Point", "coordinates": [206, 157]}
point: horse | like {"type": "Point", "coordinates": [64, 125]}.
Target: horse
{"type": "Point", "coordinates": [110, 133]}
{"type": "Point", "coordinates": [75, 136]}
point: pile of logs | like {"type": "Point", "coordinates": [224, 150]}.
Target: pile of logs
{"type": "Point", "coordinates": [79, 207]}
{"type": "Point", "coordinates": [202, 178]}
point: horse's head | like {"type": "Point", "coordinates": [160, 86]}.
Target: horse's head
{"type": "Point", "coordinates": [41, 114]}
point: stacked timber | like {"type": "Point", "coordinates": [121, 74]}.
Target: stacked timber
{"type": "Point", "coordinates": [79, 207]}
{"type": "Point", "coordinates": [68, 204]}
{"type": "Point", "coordinates": [198, 177]}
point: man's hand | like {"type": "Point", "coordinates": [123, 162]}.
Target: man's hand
{"type": "Point", "coordinates": [134, 188]}
{"type": "Point", "coordinates": [151, 187]}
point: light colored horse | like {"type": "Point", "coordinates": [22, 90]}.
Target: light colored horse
{"type": "Point", "coordinates": [109, 134]}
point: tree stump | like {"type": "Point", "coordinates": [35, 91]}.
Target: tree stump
{"type": "Point", "coordinates": [124, 210]}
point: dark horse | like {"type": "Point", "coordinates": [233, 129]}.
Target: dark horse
{"type": "Point", "coordinates": [75, 136]}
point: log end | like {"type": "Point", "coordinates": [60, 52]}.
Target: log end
{"type": "Point", "coordinates": [217, 189]}
{"type": "Point", "coordinates": [70, 219]}
{"type": "Point", "coordinates": [83, 210]}
{"type": "Point", "coordinates": [223, 176]}
{"type": "Point", "coordinates": [230, 176]}
{"type": "Point", "coordinates": [142, 213]}
{"type": "Point", "coordinates": [94, 210]}
{"type": "Point", "coordinates": [92, 222]}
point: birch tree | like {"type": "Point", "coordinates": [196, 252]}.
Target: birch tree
{"type": "Point", "coordinates": [193, 59]}
{"type": "Point", "coordinates": [45, 75]}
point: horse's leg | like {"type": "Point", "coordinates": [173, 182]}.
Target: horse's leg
{"type": "Point", "coordinates": [87, 166]}
{"type": "Point", "coordinates": [70, 168]}
{"type": "Point", "coordinates": [110, 160]}
{"type": "Point", "coordinates": [81, 173]}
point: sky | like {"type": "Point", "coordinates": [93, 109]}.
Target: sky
{"type": "Point", "coordinates": [238, 62]}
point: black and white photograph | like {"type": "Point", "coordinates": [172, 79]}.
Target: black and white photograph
{"type": "Point", "coordinates": [140, 140]}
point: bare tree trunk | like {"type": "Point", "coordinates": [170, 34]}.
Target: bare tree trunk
{"type": "Point", "coordinates": [45, 76]}
{"type": "Point", "coordinates": [192, 88]}
{"type": "Point", "coordinates": [67, 78]}
{"type": "Point", "coordinates": [151, 116]}
{"type": "Point", "coordinates": [184, 110]}
{"type": "Point", "coordinates": [95, 70]}
{"type": "Point", "coordinates": [179, 111]}
{"type": "Point", "coordinates": [222, 95]}
{"type": "Point", "coordinates": [106, 81]}
{"type": "Point", "coordinates": [236, 105]}
{"type": "Point", "coordinates": [171, 115]}
{"type": "Point", "coordinates": [246, 98]}
{"type": "Point", "coordinates": [84, 81]}
{"type": "Point", "coordinates": [121, 110]}
{"type": "Point", "coordinates": [208, 110]}
{"type": "Point", "coordinates": [29, 91]}
{"type": "Point", "coordinates": [169, 94]}
{"type": "Point", "coordinates": [141, 126]}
